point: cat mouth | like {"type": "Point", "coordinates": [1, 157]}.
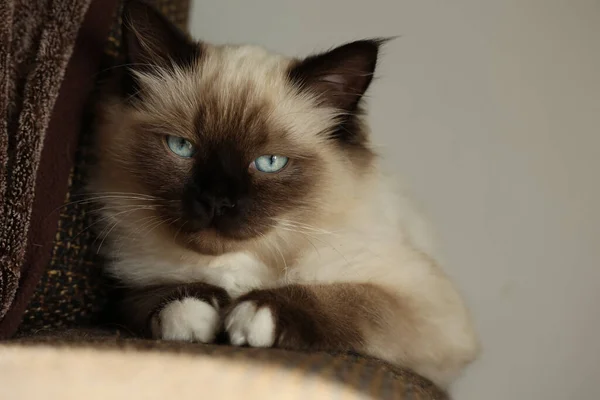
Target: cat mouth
{"type": "Point", "coordinates": [223, 228]}
{"type": "Point", "coordinates": [212, 239]}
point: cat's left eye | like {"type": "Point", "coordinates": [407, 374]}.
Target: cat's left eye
{"type": "Point", "coordinates": [180, 146]}
{"type": "Point", "coordinates": [270, 163]}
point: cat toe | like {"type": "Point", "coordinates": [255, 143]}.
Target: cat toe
{"type": "Point", "coordinates": [188, 319]}
{"type": "Point", "coordinates": [251, 325]}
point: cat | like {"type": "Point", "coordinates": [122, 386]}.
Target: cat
{"type": "Point", "coordinates": [240, 194]}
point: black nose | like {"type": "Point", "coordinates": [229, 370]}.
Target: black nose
{"type": "Point", "coordinates": [213, 206]}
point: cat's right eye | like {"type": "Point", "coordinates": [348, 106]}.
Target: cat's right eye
{"type": "Point", "coordinates": [180, 146]}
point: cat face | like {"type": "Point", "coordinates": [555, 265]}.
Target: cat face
{"type": "Point", "coordinates": [231, 144]}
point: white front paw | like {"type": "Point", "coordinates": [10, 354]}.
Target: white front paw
{"type": "Point", "coordinates": [188, 319]}
{"type": "Point", "coordinates": [248, 324]}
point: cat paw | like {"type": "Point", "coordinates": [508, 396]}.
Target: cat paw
{"type": "Point", "coordinates": [186, 319]}
{"type": "Point", "coordinates": [250, 324]}
{"type": "Point", "coordinates": [287, 317]}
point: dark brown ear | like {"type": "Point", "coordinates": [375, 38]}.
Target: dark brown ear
{"type": "Point", "coordinates": [341, 76]}
{"type": "Point", "coordinates": [150, 38]}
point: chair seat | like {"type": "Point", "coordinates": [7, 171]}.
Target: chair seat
{"type": "Point", "coordinates": [244, 372]}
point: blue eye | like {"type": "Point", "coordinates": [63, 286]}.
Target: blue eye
{"type": "Point", "coordinates": [270, 163]}
{"type": "Point", "coordinates": [180, 146]}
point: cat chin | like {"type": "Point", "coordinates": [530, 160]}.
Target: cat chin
{"type": "Point", "coordinates": [212, 242]}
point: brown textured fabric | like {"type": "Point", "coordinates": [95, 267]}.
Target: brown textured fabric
{"type": "Point", "coordinates": [369, 377]}
{"type": "Point", "coordinates": [41, 134]}
{"type": "Point", "coordinates": [72, 291]}
{"type": "Point", "coordinates": [37, 41]}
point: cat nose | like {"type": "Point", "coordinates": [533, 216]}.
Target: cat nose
{"type": "Point", "coordinates": [222, 205]}
{"type": "Point", "coordinates": [215, 205]}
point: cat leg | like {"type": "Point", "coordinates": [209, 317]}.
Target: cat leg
{"type": "Point", "coordinates": [294, 316]}
{"type": "Point", "coordinates": [187, 312]}
{"type": "Point", "coordinates": [363, 318]}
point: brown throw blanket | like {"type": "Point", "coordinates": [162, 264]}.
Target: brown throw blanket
{"type": "Point", "coordinates": [38, 64]}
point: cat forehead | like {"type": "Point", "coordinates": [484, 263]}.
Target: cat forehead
{"type": "Point", "coordinates": [232, 88]}
{"type": "Point", "coordinates": [223, 71]}
{"type": "Point", "coordinates": [250, 63]}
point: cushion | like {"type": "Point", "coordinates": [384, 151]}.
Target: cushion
{"type": "Point", "coordinates": [122, 366]}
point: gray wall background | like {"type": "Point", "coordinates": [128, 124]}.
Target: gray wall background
{"type": "Point", "coordinates": [491, 111]}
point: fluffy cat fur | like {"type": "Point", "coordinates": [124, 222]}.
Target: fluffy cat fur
{"type": "Point", "coordinates": [323, 255]}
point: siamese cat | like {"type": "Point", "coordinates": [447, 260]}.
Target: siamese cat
{"type": "Point", "coordinates": [240, 193]}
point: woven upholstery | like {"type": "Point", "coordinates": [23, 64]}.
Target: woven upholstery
{"type": "Point", "coordinates": [369, 376]}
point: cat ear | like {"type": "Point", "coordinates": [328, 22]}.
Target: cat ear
{"type": "Point", "coordinates": [341, 76]}
{"type": "Point", "coordinates": [150, 38]}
